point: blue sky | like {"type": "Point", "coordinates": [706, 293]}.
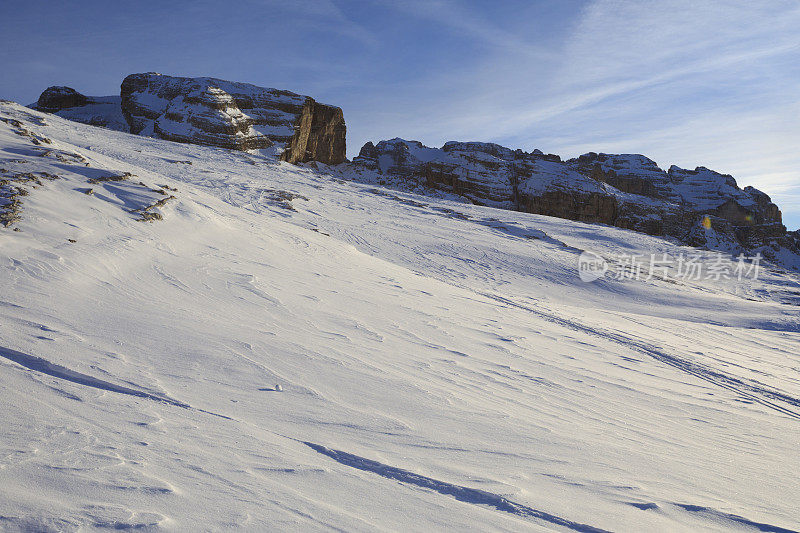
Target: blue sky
{"type": "Point", "coordinates": [684, 82]}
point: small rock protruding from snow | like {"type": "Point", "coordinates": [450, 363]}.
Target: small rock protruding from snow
{"type": "Point", "coordinates": [57, 98]}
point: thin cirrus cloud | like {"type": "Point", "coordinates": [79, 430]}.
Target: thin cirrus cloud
{"type": "Point", "coordinates": [323, 16]}
{"type": "Point", "coordinates": [458, 17]}
{"type": "Point", "coordinates": [713, 84]}
{"type": "Point", "coordinates": [684, 82]}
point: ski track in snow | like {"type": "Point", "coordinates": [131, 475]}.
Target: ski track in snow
{"type": "Point", "coordinates": [480, 497]}
{"type": "Point", "coordinates": [733, 519]}
{"type": "Point", "coordinates": [751, 390]}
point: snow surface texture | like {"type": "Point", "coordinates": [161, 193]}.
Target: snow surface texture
{"type": "Point", "coordinates": [102, 111]}
{"type": "Point", "coordinates": [441, 364]}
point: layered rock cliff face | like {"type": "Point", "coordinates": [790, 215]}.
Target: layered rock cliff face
{"type": "Point", "coordinates": [213, 112]}
{"type": "Point", "coordinates": [319, 135]}
{"type": "Point", "coordinates": [233, 115]}
{"type": "Point", "coordinates": [700, 207]}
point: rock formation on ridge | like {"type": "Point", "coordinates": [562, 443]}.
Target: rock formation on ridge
{"type": "Point", "coordinates": [699, 207]}
{"type": "Point", "coordinates": [233, 115]}
{"type": "Point", "coordinates": [56, 98]}
{"type": "Point", "coordinates": [68, 103]}
{"type": "Point", "coordinates": [213, 112]}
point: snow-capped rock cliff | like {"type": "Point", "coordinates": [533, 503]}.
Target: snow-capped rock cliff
{"type": "Point", "coordinates": [210, 111]}
{"type": "Point", "coordinates": [624, 190]}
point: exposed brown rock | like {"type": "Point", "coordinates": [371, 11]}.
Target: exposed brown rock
{"type": "Point", "coordinates": [319, 135]}
{"type": "Point", "coordinates": [233, 115]}
{"type": "Point", "coordinates": [213, 112]}
{"type": "Point", "coordinates": [593, 207]}
{"type": "Point", "coordinates": [625, 190]}
{"type": "Point", "coordinates": [56, 98]}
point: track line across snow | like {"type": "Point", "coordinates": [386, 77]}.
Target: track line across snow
{"type": "Point", "coordinates": [459, 492]}
{"type": "Point", "coordinates": [38, 364]}
{"type": "Point", "coordinates": [754, 391]}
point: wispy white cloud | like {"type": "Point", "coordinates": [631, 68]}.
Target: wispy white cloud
{"type": "Point", "coordinates": [325, 15]}
{"type": "Point", "coordinates": [682, 81]}
{"type": "Point", "coordinates": [459, 17]}
{"type": "Point", "coordinates": [711, 83]}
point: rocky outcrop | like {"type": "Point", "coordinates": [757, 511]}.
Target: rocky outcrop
{"type": "Point", "coordinates": [713, 233]}
{"type": "Point", "coordinates": [212, 112]}
{"type": "Point", "coordinates": [700, 207]}
{"type": "Point", "coordinates": [233, 115]}
{"type": "Point", "coordinates": [57, 97]}
{"type": "Point", "coordinates": [68, 103]}
{"type": "Point", "coordinates": [319, 135]}
{"type": "Point", "coordinates": [583, 207]}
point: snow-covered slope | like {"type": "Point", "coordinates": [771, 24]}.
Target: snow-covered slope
{"type": "Point", "coordinates": [441, 365]}
{"type": "Point", "coordinates": [102, 111]}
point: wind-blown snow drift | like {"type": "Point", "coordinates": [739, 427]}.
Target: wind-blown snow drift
{"type": "Point", "coordinates": [442, 365]}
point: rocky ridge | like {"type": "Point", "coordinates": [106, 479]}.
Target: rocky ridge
{"type": "Point", "coordinates": [211, 111]}
{"type": "Point", "coordinates": [698, 207]}
{"type": "Point", "coordinates": [66, 102]}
